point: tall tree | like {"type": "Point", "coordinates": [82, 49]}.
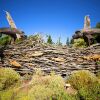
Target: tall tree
{"type": "Point", "coordinates": [59, 41]}
{"type": "Point", "coordinates": [67, 41]}
{"type": "Point", "coordinates": [49, 39]}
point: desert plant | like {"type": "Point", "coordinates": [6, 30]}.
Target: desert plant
{"type": "Point", "coordinates": [8, 77]}
{"type": "Point", "coordinates": [86, 83]}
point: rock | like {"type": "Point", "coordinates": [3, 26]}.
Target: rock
{"type": "Point", "coordinates": [29, 55]}
{"type": "Point", "coordinates": [92, 57]}
{"type": "Point", "coordinates": [70, 90]}
{"type": "Point", "coordinates": [80, 60]}
{"type": "Point", "coordinates": [58, 59]}
{"type": "Point", "coordinates": [14, 63]}
{"type": "Point", "coordinates": [36, 54]}
{"type": "Point", "coordinates": [30, 64]}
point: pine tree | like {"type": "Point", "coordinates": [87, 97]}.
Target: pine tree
{"type": "Point", "coordinates": [49, 39]}
{"type": "Point", "coordinates": [67, 42]}
{"type": "Point", "coordinates": [59, 41]}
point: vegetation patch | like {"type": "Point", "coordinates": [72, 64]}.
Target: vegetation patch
{"type": "Point", "coordinates": [49, 87]}
{"type": "Point", "coordinates": [8, 77]}
{"type": "Point", "coordinates": [52, 87]}
{"type": "Point", "coordinates": [79, 43]}
{"type": "Point", "coordinates": [86, 83]}
{"type": "Point", "coordinates": [4, 40]}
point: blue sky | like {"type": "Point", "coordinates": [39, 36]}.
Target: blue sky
{"type": "Point", "coordinates": [59, 18]}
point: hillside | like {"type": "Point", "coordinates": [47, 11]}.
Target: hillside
{"type": "Point", "coordinates": [33, 70]}
{"type": "Point", "coordinates": [28, 55]}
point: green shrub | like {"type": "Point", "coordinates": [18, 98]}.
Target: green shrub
{"type": "Point", "coordinates": [21, 95]}
{"type": "Point", "coordinates": [42, 92]}
{"type": "Point", "coordinates": [18, 41]}
{"type": "Point", "coordinates": [8, 77]}
{"type": "Point", "coordinates": [49, 87]}
{"type": "Point", "coordinates": [86, 83]}
{"type": "Point", "coordinates": [40, 79]}
{"type": "Point", "coordinates": [6, 94]}
{"type": "Point", "coordinates": [98, 62]}
{"type": "Point", "coordinates": [5, 40]}
{"type": "Point", "coordinates": [98, 74]}
{"type": "Point", "coordinates": [79, 43]}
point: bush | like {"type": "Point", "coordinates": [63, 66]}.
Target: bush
{"type": "Point", "coordinates": [79, 43]}
{"type": "Point", "coordinates": [41, 92]}
{"type": "Point", "coordinates": [98, 74]}
{"type": "Point", "coordinates": [50, 87]}
{"type": "Point", "coordinates": [5, 40]}
{"type": "Point", "coordinates": [18, 41]}
{"type": "Point", "coordinates": [6, 94]}
{"type": "Point", "coordinates": [52, 80]}
{"type": "Point", "coordinates": [86, 83]}
{"type": "Point", "coordinates": [8, 77]}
